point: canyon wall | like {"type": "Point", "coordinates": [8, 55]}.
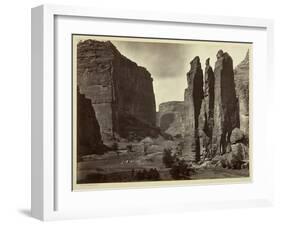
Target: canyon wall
{"type": "Point", "coordinates": [88, 130]}
{"type": "Point", "coordinates": [241, 78]}
{"type": "Point", "coordinates": [121, 91]}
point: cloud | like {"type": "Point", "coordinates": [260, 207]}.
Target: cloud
{"type": "Point", "coordinates": [168, 63]}
{"type": "Point", "coordinates": [161, 59]}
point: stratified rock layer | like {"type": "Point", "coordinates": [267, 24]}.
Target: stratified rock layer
{"type": "Point", "coordinates": [88, 130]}
{"type": "Point", "coordinates": [121, 91]}
{"type": "Point", "coordinates": [226, 106]}
{"type": "Point", "coordinates": [171, 118]}
{"type": "Point", "coordinates": [193, 99]}
{"type": "Point", "coordinates": [241, 77]}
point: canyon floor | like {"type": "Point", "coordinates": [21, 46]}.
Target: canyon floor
{"type": "Point", "coordinates": [120, 165]}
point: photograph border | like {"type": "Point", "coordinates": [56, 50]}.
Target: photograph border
{"type": "Point", "coordinates": [161, 183]}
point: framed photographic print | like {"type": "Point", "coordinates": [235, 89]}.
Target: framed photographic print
{"type": "Point", "coordinates": [137, 113]}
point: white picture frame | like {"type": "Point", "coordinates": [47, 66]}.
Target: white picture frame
{"type": "Point", "coordinates": [46, 184]}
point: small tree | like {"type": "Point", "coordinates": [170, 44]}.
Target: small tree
{"type": "Point", "coordinates": [114, 146]}
{"type": "Point", "coordinates": [168, 159]}
{"type": "Point", "coordinates": [180, 148]}
{"type": "Point", "coordinates": [130, 147]}
{"type": "Point", "coordinates": [181, 170]}
{"type": "Point", "coordinates": [147, 175]}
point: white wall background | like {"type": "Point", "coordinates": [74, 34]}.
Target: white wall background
{"type": "Point", "coordinates": [15, 112]}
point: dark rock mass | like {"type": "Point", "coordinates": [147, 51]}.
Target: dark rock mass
{"type": "Point", "coordinates": [121, 91]}
{"type": "Point", "coordinates": [171, 118]}
{"type": "Point", "coordinates": [206, 117]}
{"type": "Point", "coordinates": [193, 98]}
{"type": "Point", "coordinates": [88, 130]}
{"type": "Point", "coordinates": [241, 78]}
{"type": "Point", "coordinates": [209, 96]}
{"type": "Point", "coordinates": [226, 106]}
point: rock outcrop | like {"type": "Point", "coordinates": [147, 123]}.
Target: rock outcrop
{"type": "Point", "coordinates": [237, 153]}
{"type": "Point", "coordinates": [121, 91]}
{"type": "Point", "coordinates": [193, 98]}
{"type": "Point", "coordinates": [209, 95]}
{"type": "Point", "coordinates": [241, 77]}
{"type": "Point", "coordinates": [226, 106]}
{"type": "Point", "coordinates": [88, 130]}
{"type": "Point", "coordinates": [171, 118]}
{"type": "Point", "coordinates": [212, 108]}
{"type": "Point", "coordinates": [236, 136]}
{"type": "Point", "coordinates": [206, 117]}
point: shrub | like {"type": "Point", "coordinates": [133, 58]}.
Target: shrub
{"type": "Point", "coordinates": [114, 146]}
{"type": "Point", "coordinates": [96, 178]}
{"type": "Point", "coordinates": [147, 175]}
{"type": "Point", "coordinates": [130, 147]}
{"type": "Point", "coordinates": [153, 174]}
{"type": "Point", "coordinates": [181, 170]}
{"type": "Point", "coordinates": [180, 148]}
{"type": "Point", "coordinates": [168, 159]}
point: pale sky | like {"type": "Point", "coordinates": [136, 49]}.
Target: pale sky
{"type": "Point", "coordinates": [168, 63]}
{"type": "Point", "coordinates": [168, 60]}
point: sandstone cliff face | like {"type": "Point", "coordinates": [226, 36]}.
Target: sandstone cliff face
{"type": "Point", "coordinates": [117, 87]}
{"type": "Point", "coordinates": [171, 118]}
{"type": "Point", "coordinates": [226, 106]}
{"type": "Point", "coordinates": [193, 99]}
{"type": "Point", "coordinates": [241, 77]}
{"type": "Point", "coordinates": [88, 130]}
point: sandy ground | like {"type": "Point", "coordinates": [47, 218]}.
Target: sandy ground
{"type": "Point", "coordinates": [123, 162]}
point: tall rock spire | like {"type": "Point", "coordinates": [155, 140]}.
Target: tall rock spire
{"type": "Point", "coordinates": [209, 97]}
{"type": "Point", "coordinates": [206, 117]}
{"type": "Point", "coordinates": [193, 98]}
{"type": "Point", "coordinates": [226, 106]}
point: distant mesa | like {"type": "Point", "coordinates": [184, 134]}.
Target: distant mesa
{"type": "Point", "coordinates": [170, 118]}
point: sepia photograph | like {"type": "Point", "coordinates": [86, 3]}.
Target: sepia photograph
{"type": "Point", "coordinates": [160, 110]}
